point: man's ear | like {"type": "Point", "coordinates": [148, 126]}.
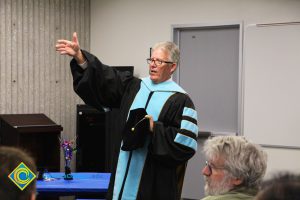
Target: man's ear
{"type": "Point", "coordinates": [173, 67]}
{"type": "Point", "coordinates": [236, 181]}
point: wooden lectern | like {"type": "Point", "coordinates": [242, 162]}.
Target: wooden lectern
{"type": "Point", "coordinates": [35, 133]}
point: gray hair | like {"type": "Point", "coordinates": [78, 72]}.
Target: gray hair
{"type": "Point", "coordinates": [243, 159]}
{"type": "Point", "coordinates": [171, 48]}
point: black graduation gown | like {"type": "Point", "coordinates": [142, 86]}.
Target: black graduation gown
{"type": "Point", "coordinates": [155, 171]}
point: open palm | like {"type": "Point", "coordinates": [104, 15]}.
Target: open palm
{"type": "Point", "coordinates": [66, 47]}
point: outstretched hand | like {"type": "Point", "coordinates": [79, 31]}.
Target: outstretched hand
{"type": "Point", "coordinates": [71, 48]}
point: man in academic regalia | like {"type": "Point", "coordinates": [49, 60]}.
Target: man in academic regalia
{"type": "Point", "coordinates": [159, 121]}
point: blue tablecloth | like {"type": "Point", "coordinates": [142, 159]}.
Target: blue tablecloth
{"type": "Point", "coordinates": [82, 183]}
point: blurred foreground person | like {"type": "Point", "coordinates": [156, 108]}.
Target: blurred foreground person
{"type": "Point", "coordinates": [284, 186]}
{"type": "Point", "coordinates": [10, 159]}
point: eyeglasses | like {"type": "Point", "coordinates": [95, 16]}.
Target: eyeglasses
{"type": "Point", "coordinates": [212, 166]}
{"type": "Point", "coordinates": [157, 62]}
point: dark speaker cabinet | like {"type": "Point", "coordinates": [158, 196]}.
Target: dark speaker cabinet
{"type": "Point", "coordinates": [90, 154]}
{"type": "Point", "coordinates": [35, 133]}
{"type": "Point", "coordinates": [98, 136]}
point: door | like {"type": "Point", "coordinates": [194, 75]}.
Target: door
{"type": "Point", "coordinates": [210, 71]}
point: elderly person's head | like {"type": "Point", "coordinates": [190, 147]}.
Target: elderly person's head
{"type": "Point", "coordinates": [232, 162]}
{"type": "Point", "coordinates": [163, 62]}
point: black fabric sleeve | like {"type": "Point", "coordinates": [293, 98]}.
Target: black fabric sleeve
{"type": "Point", "coordinates": [164, 146]}
{"type": "Point", "coordinates": [99, 85]}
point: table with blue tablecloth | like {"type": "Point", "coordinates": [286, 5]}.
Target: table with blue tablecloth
{"type": "Point", "coordinates": [84, 185]}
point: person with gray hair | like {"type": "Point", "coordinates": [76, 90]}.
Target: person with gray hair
{"type": "Point", "coordinates": [234, 168]}
{"type": "Point", "coordinates": [157, 116]}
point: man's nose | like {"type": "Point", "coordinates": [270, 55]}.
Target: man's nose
{"type": "Point", "coordinates": [152, 64]}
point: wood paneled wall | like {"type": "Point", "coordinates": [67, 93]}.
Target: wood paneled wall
{"type": "Point", "coordinates": [34, 78]}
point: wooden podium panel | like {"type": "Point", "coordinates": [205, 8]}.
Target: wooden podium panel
{"type": "Point", "coordinates": [35, 133]}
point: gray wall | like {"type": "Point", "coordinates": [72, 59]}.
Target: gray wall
{"type": "Point", "coordinates": [34, 78]}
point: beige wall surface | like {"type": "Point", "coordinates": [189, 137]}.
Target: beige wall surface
{"type": "Point", "coordinates": [122, 31]}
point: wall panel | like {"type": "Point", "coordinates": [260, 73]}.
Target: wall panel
{"type": "Point", "coordinates": [33, 77]}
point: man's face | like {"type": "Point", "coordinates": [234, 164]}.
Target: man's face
{"type": "Point", "coordinates": [217, 179]}
{"type": "Point", "coordinates": [163, 72]}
